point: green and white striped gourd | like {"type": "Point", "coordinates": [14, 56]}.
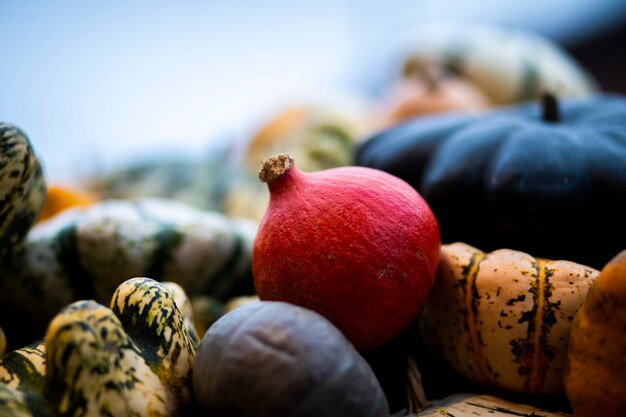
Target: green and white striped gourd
{"type": "Point", "coordinates": [194, 182]}
{"type": "Point", "coordinates": [132, 359]}
{"type": "Point", "coordinates": [476, 405]}
{"type": "Point", "coordinates": [509, 65]}
{"type": "Point", "coordinates": [502, 319]}
{"type": "Point", "coordinates": [86, 253]}
{"type": "Point", "coordinates": [22, 188]}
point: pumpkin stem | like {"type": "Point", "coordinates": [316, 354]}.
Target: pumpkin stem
{"type": "Point", "coordinates": [427, 73]}
{"type": "Point", "coordinates": [275, 167]}
{"type": "Point", "coordinates": [550, 108]}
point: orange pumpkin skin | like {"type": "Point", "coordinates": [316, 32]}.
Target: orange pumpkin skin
{"type": "Point", "coordinates": [270, 134]}
{"type": "Point", "coordinates": [595, 383]}
{"type": "Point", "coordinates": [60, 198]}
{"type": "Point", "coordinates": [502, 319]}
{"type": "Point", "coordinates": [414, 97]}
{"type": "Point", "coordinates": [357, 245]}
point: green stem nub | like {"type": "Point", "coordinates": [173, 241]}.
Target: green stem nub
{"type": "Point", "coordinates": [275, 167]}
{"type": "Point", "coordinates": [550, 108]}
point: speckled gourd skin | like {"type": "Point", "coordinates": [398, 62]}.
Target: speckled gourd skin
{"type": "Point", "coordinates": [92, 377]}
{"type": "Point", "coordinates": [22, 188]}
{"type": "Point", "coordinates": [150, 315]}
{"type": "Point", "coordinates": [86, 253]}
{"type": "Point", "coordinates": [22, 381]}
{"type": "Point", "coordinates": [25, 368]}
{"type": "Point", "coordinates": [503, 318]}
{"type": "Point", "coordinates": [134, 359]}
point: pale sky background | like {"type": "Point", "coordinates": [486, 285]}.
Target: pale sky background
{"type": "Point", "coordinates": [99, 83]}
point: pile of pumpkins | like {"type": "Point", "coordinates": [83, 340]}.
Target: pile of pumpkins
{"type": "Point", "coordinates": [523, 162]}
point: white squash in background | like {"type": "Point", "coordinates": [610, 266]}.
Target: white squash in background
{"type": "Point", "coordinates": [510, 65]}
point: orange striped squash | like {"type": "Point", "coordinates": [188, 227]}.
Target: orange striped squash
{"type": "Point", "coordinates": [503, 318]}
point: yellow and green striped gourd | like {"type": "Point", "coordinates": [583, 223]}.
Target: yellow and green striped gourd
{"type": "Point", "coordinates": [22, 188]}
{"type": "Point", "coordinates": [132, 359]}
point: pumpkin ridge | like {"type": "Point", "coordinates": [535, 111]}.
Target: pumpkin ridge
{"type": "Point", "coordinates": [536, 353]}
{"type": "Point", "coordinates": [533, 382]}
{"type": "Point", "coordinates": [472, 299]}
{"type": "Point", "coordinates": [524, 349]}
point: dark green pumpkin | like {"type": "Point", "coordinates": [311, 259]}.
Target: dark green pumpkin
{"type": "Point", "coordinates": [270, 359]}
{"type": "Point", "coordinates": [546, 179]}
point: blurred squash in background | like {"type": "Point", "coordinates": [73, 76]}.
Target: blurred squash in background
{"type": "Point", "coordinates": [422, 91]}
{"type": "Point", "coordinates": [479, 65]}
{"type": "Point", "coordinates": [318, 135]}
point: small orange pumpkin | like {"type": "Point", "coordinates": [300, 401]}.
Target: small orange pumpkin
{"type": "Point", "coordinates": [320, 135]}
{"type": "Point", "coordinates": [594, 382]}
{"type": "Point", "coordinates": [61, 197]}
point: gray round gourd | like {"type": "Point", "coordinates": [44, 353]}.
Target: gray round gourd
{"type": "Point", "coordinates": [276, 359]}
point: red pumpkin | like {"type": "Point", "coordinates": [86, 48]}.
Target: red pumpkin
{"type": "Point", "coordinates": [357, 245]}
